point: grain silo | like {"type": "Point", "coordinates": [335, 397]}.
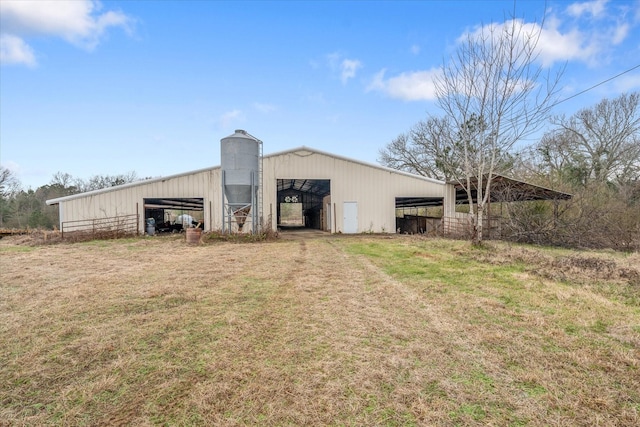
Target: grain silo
{"type": "Point", "coordinates": [240, 163]}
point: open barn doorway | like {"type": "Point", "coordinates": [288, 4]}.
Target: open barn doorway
{"type": "Point", "coordinates": [172, 215]}
{"type": "Point", "coordinates": [304, 203]}
{"type": "Point", "coordinates": [419, 215]}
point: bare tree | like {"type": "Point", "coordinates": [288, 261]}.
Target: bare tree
{"type": "Point", "coordinates": [600, 144]}
{"type": "Point", "coordinates": [98, 182]}
{"type": "Point", "coordinates": [427, 149]}
{"type": "Point", "coordinates": [494, 93]}
{"type": "Point", "coordinates": [9, 187]}
{"type": "Point", "coordinates": [62, 179]}
{"type": "Point", "coordinates": [9, 184]}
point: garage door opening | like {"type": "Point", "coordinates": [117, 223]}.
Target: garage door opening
{"type": "Point", "coordinates": [304, 203]}
{"type": "Point", "coordinates": [172, 215]}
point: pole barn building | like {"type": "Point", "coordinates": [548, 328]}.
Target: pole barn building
{"type": "Point", "coordinates": [329, 192]}
{"type": "Point", "coordinates": [299, 187]}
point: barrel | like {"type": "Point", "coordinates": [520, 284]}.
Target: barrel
{"type": "Point", "coordinates": [193, 235]}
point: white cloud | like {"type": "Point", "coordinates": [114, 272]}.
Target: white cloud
{"type": "Point", "coordinates": [79, 22]}
{"type": "Point", "coordinates": [620, 33]}
{"type": "Point", "coordinates": [603, 25]}
{"type": "Point", "coordinates": [554, 45]}
{"type": "Point", "coordinates": [594, 8]}
{"type": "Point", "coordinates": [411, 86]}
{"type": "Point", "coordinates": [566, 36]}
{"type": "Point", "coordinates": [348, 69]}
{"type": "Point", "coordinates": [13, 50]}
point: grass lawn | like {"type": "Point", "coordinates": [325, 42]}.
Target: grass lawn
{"type": "Point", "coordinates": [336, 331]}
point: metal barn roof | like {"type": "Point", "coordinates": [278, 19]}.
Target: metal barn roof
{"type": "Point", "coordinates": [505, 189]}
{"type": "Point", "coordinates": [316, 187]}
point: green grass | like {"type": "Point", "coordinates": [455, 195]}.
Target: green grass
{"type": "Point", "coordinates": [497, 298]}
{"type": "Point", "coordinates": [340, 331]}
{"type": "Point", "coordinates": [17, 249]}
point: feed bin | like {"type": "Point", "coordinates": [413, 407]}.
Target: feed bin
{"type": "Point", "coordinates": [240, 165]}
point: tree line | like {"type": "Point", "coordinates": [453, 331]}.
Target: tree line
{"type": "Point", "coordinates": [20, 208]}
{"type": "Point", "coordinates": [593, 154]}
{"type": "Point", "coordinates": [493, 93]}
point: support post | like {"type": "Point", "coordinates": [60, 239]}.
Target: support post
{"type": "Point", "coordinates": [222, 205]}
{"type": "Point", "coordinates": [253, 204]}
{"type": "Point", "coordinates": [335, 219]}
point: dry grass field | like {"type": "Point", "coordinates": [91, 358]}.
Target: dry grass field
{"type": "Point", "coordinates": [332, 331]}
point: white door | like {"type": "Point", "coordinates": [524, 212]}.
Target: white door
{"type": "Point", "coordinates": [350, 220]}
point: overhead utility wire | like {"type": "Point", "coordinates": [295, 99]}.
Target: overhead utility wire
{"type": "Point", "coordinates": [595, 85]}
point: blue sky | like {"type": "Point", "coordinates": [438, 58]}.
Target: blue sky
{"type": "Point", "coordinates": [109, 87]}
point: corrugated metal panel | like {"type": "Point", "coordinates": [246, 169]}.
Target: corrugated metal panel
{"type": "Point", "coordinates": [126, 200]}
{"type": "Point", "coordinates": [373, 188]}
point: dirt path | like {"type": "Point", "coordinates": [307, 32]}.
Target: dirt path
{"type": "Point", "coordinates": [360, 343]}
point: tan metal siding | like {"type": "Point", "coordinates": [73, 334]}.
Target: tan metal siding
{"type": "Point", "coordinates": [374, 189]}
{"type": "Point", "coordinates": [125, 201]}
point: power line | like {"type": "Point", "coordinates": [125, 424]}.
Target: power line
{"type": "Point", "coordinates": [595, 85]}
